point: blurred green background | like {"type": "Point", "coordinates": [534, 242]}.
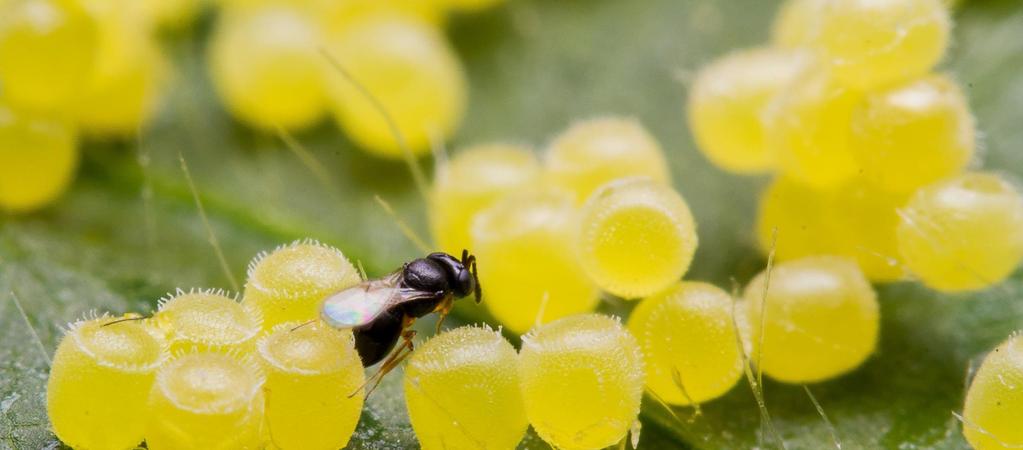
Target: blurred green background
{"type": "Point", "coordinates": [129, 230]}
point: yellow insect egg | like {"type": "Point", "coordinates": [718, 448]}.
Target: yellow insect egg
{"type": "Point", "coordinates": [342, 14]}
{"type": "Point", "coordinates": [808, 220]}
{"type": "Point", "coordinates": [462, 391]}
{"type": "Point", "coordinates": [808, 129]}
{"type": "Point", "coordinates": [818, 320]}
{"type": "Point", "coordinates": [310, 373]}
{"type": "Point", "coordinates": [994, 402]}
{"type": "Point", "coordinates": [122, 94]}
{"type": "Point", "coordinates": [593, 152]}
{"type": "Point", "coordinates": [38, 158]}
{"type": "Point", "coordinates": [472, 181]}
{"type": "Point", "coordinates": [99, 382]}
{"type": "Point", "coordinates": [866, 218]}
{"type": "Point", "coordinates": [208, 320]}
{"type": "Point", "coordinates": [526, 243]}
{"type": "Point", "coordinates": [913, 134]}
{"type": "Point", "coordinates": [289, 283]}
{"type": "Point", "coordinates": [727, 100]}
{"type": "Point", "coordinates": [206, 400]}
{"type": "Point", "coordinates": [582, 381]}
{"type": "Point", "coordinates": [870, 43]}
{"type": "Point", "coordinates": [689, 343]}
{"type": "Point", "coordinates": [796, 22]}
{"type": "Point", "coordinates": [47, 48]}
{"type": "Point", "coordinates": [964, 233]}
{"type": "Point", "coordinates": [794, 220]}
{"type": "Point", "coordinates": [267, 69]}
{"type": "Point", "coordinates": [410, 72]}
{"type": "Point", "coordinates": [636, 237]}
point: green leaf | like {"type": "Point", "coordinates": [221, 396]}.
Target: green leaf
{"type": "Point", "coordinates": [129, 231]}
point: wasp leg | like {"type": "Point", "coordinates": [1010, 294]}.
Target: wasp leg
{"type": "Point", "coordinates": [444, 309]}
{"type": "Point", "coordinates": [399, 355]}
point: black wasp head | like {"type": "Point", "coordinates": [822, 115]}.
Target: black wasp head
{"type": "Point", "coordinates": [462, 276]}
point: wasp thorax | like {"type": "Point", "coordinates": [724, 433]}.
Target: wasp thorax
{"type": "Point", "coordinates": [462, 391]}
{"type": "Point", "coordinates": [100, 380]}
{"type": "Point", "coordinates": [564, 363]}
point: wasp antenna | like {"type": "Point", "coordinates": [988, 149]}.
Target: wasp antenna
{"type": "Point", "coordinates": [123, 319]}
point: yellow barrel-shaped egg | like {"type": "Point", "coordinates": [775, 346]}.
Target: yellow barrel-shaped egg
{"type": "Point", "coordinates": [797, 221]}
{"type": "Point", "coordinates": [462, 391]}
{"type": "Point", "coordinates": [636, 237]}
{"type": "Point", "coordinates": [124, 86]}
{"type": "Point", "coordinates": [807, 127]}
{"type": "Point", "coordinates": [208, 320]}
{"type": "Point", "coordinates": [913, 133]}
{"type": "Point", "coordinates": [267, 68]}
{"type": "Point", "coordinates": [100, 381]}
{"type": "Point", "coordinates": [689, 343]}
{"type": "Point", "coordinates": [870, 43]}
{"type": "Point", "coordinates": [582, 381]}
{"type": "Point", "coordinates": [473, 180]}
{"type": "Point", "coordinates": [38, 158]}
{"type": "Point", "coordinates": [727, 100]}
{"type": "Point", "coordinates": [595, 151]}
{"type": "Point", "coordinates": [796, 22]}
{"type": "Point", "coordinates": [524, 244]}
{"type": "Point", "coordinates": [994, 401]}
{"type": "Point", "coordinates": [819, 319]}
{"type": "Point", "coordinates": [48, 48]}
{"type": "Point", "coordinates": [410, 72]}
{"type": "Point", "coordinates": [311, 373]}
{"type": "Point", "coordinates": [206, 400]}
{"type": "Point", "coordinates": [289, 283]}
{"type": "Point", "coordinates": [963, 233]}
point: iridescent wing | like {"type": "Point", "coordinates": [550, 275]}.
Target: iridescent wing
{"type": "Point", "coordinates": [362, 303]}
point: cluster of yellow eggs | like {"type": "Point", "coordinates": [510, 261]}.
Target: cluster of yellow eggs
{"type": "Point", "coordinates": [71, 67]}
{"type": "Point", "coordinates": [872, 154]}
{"type": "Point", "coordinates": [382, 68]}
{"type": "Point", "coordinates": [598, 213]}
{"type": "Point", "coordinates": [870, 147]}
{"type": "Point", "coordinates": [95, 68]}
{"type": "Point", "coordinates": [207, 371]}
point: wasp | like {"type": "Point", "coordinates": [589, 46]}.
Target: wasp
{"type": "Point", "coordinates": [381, 311]}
